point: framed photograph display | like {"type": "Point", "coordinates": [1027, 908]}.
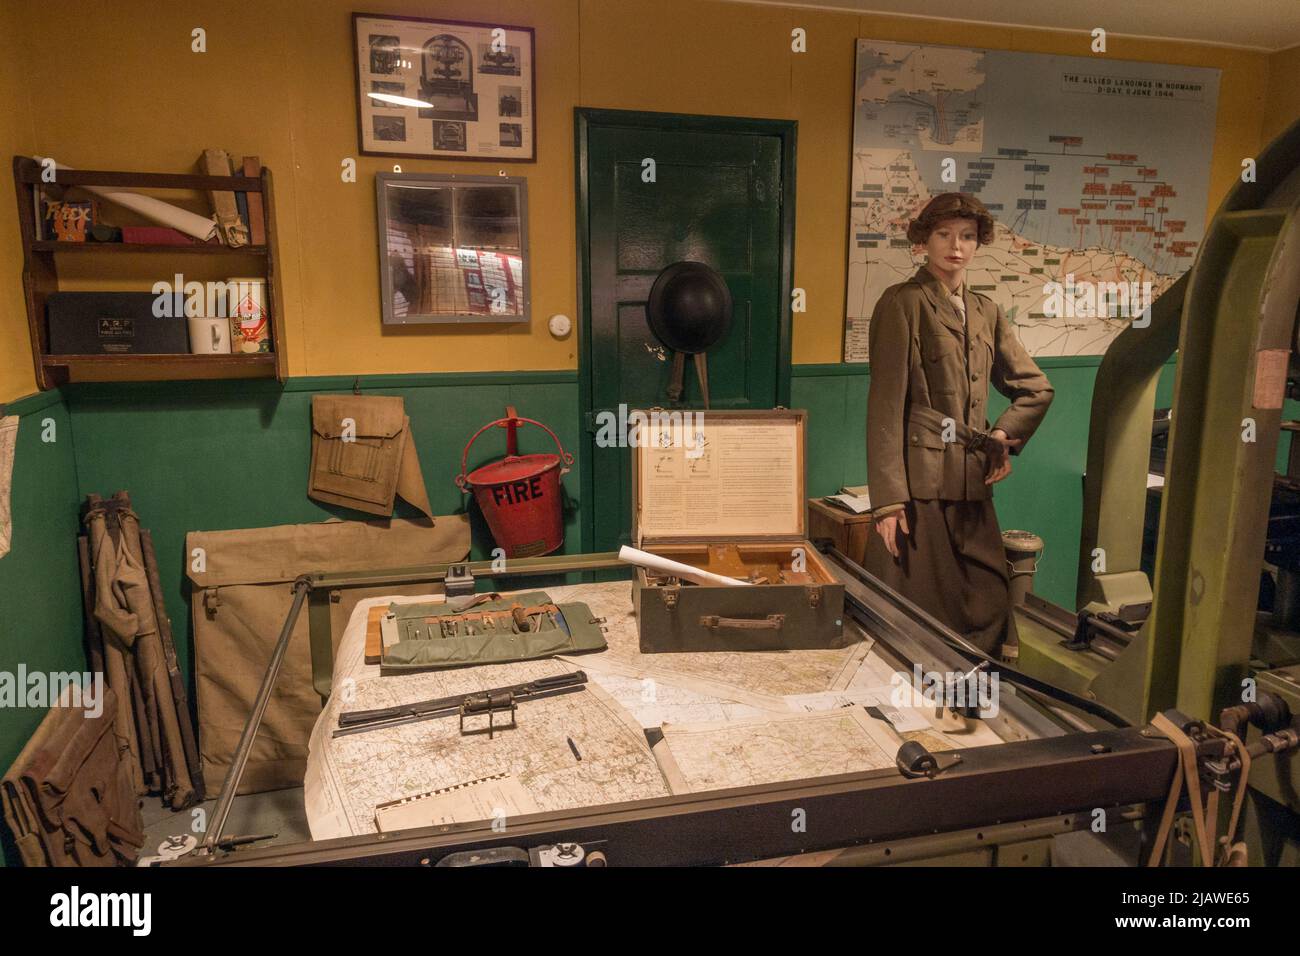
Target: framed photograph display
{"type": "Point", "coordinates": [444, 88]}
{"type": "Point", "coordinates": [452, 248]}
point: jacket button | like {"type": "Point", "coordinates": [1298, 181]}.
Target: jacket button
{"type": "Point", "coordinates": [914, 439]}
{"type": "Point", "coordinates": [974, 376]}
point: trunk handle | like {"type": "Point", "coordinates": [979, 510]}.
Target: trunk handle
{"type": "Point", "coordinates": [772, 622]}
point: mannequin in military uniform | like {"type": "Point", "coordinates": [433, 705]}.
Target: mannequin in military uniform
{"type": "Point", "coordinates": [932, 458]}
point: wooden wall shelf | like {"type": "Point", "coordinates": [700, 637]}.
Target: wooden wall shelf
{"type": "Point", "coordinates": [153, 368]}
{"type": "Point", "coordinates": [200, 248]}
{"type": "Point", "coordinates": [41, 278]}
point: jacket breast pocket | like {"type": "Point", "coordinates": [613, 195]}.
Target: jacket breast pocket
{"type": "Point", "coordinates": [941, 355]}
{"type": "Point", "coordinates": [925, 457]}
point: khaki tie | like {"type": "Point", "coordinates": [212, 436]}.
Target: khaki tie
{"type": "Point", "coordinates": [959, 302]}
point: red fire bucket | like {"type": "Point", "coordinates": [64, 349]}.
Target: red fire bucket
{"type": "Point", "coordinates": [520, 494]}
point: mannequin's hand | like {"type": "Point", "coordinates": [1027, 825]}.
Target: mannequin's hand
{"type": "Point", "coordinates": [890, 527]}
{"type": "Point", "coordinates": [999, 456]}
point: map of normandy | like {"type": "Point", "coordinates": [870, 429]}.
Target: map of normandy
{"type": "Point", "coordinates": [1096, 170]}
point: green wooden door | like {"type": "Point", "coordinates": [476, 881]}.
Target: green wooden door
{"type": "Point", "coordinates": [660, 190]}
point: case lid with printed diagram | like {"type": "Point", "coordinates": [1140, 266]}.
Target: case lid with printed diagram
{"type": "Point", "coordinates": [734, 476]}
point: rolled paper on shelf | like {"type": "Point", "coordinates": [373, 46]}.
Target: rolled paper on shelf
{"type": "Point", "coordinates": [675, 568]}
{"type": "Point", "coordinates": [166, 214]}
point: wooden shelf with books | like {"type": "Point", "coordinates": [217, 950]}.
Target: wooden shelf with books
{"type": "Point", "coordinates": [41, 277]}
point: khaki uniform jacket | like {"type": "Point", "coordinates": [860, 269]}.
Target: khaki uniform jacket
{"type": "Point", "coordinates": [930, 380]}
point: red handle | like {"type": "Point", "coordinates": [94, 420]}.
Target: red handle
{"type": "Point", "coordinates": [510, 422]}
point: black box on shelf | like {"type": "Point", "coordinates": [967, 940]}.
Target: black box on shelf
{"type": "Point", "coordinates": [110, 323]}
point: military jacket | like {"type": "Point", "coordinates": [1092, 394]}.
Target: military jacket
{"type": "Point", "coordinates": [930, 377]}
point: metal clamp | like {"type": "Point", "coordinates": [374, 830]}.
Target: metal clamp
{"type": "Point", "coordinates": [458, 580]}
{"type": "Point", "coordinates": [913, 760]}
{"type": "Point", "coordinates": [490, 704]}
{"type": "Point", "coordinates": [670, 597]}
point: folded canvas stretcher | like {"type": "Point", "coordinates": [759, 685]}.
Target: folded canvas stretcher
{"type": "Point", "coordinates": [69, 797]}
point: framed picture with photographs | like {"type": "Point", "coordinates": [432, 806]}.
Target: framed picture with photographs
{"type": "Point", "coordinates": [445, 89]}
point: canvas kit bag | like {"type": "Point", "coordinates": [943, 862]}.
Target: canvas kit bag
{"type": "Point", "coordinates": [362, 454]}
{"type": "Point", "coordinates": [239, 602]}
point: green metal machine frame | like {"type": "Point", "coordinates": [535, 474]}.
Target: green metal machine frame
{"type": "Point", "coordinates": [1233, 321]}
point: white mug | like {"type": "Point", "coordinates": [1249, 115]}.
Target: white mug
{"type": "Point", "coordinates": [209, 336]}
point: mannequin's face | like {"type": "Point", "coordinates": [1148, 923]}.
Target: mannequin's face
{"type": "Point", "coordinates": [951, 247]}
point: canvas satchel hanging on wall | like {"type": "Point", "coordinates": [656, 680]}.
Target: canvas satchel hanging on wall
{"type": "Point", "coordinates": [238, 603]}
{"type": "Point", "coordinates": [362, 454]}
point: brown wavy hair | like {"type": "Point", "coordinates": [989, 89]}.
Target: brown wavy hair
{"type": "Point", "coordinates": [951, 206]}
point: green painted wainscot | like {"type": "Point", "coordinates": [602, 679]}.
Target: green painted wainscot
{"type": "Point", "coordinates": [40, 589]}
{"type": "Point", "coordinates": [222, 455]}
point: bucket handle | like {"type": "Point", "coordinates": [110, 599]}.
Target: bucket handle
{"type": "Point", "coordinates": [1011, 568]}
{"type": "Point", "coordinates": [511, 422]}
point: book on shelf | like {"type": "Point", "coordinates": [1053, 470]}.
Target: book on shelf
{"type": "Point", "coordinates": [216, 162]}
{"type": "Point", "coordinates": [157, 236]}
{"type": "Point", "coordinates": [241, 203]}
{"type": "Point", "coordinates": [252, 167]}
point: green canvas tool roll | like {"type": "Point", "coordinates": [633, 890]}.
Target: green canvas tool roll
{"type": "Point", "coordinates": [429, 636]}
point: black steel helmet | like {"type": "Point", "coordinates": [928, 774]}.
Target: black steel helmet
{"type": "Point", "coordinates": [689, 308]}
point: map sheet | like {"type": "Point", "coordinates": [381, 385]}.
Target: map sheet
{"type": "Point", "coordinates": [1096, 170]}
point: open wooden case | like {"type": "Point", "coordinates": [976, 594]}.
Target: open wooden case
{"type": "Point", "coordinates": [723, 491]}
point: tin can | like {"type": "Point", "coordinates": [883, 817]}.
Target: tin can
{"type": "Point", "coordinates": [250, 325]}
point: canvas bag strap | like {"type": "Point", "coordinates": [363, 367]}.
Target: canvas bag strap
{"type": "Point", "coordinates": [1185, 775]}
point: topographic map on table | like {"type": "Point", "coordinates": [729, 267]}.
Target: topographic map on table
{"type": "Point", "coordinates": [359, 772]}
{"type": "Point", "coordinates": [736, 718]}
{"type": "Point", "coordinates": [1093, 168]}
{"type": "Point", "coordinates": [764, 750]}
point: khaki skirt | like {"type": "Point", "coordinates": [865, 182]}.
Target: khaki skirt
{"type": "Point", "coordinates": [952, 565]}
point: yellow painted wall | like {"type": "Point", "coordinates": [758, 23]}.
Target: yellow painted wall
{"type": "Point", "coordinates": [1282, 104]}
{"type": "Point", "coordinates": [277, 81]}
{"type": "Point", "coordinates": [16, 376]}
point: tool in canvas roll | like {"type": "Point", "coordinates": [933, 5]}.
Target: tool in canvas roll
{"type": "Point", "coordinates": [484, 629]}
{"type": "Point", "coordinates": [520, 495]}
{"type": "Point", "coordinates": [493, 700]}
{"type": "Point", "coordinates": [523, 618]}
{"type": "Point", "coordinates": [689, 310]}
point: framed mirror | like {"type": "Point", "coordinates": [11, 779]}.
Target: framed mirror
{"type": "Point", "coordinates": [452, 248]}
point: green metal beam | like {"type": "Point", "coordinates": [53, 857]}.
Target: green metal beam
{"type": "Point", "coordinates": [1238, 329]}
{"type": "Point", "coordinates": [1119, 456]}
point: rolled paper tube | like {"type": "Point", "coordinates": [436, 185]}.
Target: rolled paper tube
{"type": "Point", "coordinates": [663, 565]}
{"type": "Point", "coordinates": [187, 222]}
